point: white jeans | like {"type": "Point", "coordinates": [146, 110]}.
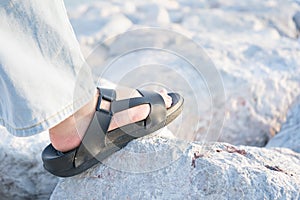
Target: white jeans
{"type": "Point", "coordinates": [40, 60]}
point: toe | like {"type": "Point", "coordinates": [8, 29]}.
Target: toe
{"type": "Point", "coordinates": [166, 97]}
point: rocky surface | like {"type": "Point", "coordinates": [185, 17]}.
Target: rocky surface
{"type": "Point", "coordinates": [199, 171]}
{"type": "Point", "coordinates": [296, 19]}
{"type": "Point", "coordinates": [22, 175]}
{"type": "Point", "coordinates": [289, 135]}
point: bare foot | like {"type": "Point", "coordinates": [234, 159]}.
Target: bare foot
{"type": "Point", "coordinates": [68, 134]}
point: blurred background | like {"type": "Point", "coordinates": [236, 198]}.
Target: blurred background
{"type": "Point", "coordinates": [253, 44]}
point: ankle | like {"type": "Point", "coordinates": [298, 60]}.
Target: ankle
{"type": "Point", "coordinates": [65, 136]}
{"type": "Point", "coordinates": [68, 134]}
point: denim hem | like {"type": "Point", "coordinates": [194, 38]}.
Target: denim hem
{"type": "Point", "coordinates": [46, 123]}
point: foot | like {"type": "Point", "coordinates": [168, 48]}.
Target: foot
{"type": "Point", "coordinates": [68, 134]}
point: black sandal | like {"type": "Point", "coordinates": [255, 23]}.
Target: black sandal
{"type": "Point", "coordinates": [98, 144]}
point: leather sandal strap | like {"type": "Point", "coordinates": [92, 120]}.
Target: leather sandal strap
{"type": "Point", "coordinates": [125, 104]}
{"type": "Point", "coordinates": [158, 111]}
{"type": "Point", "coordinates": [94, 138]}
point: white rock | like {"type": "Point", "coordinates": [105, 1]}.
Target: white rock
{"type": "Point", "coordinates": [153, 14]}
{"type": "Point", "coordinates": [245, 173]}
{"type": "Point", "coordinates": [129, 7]}
{"type": "Point", "coordinates": [115, 25]}
{"type": "Point", "coordinates": [176, 16]}
{"type": "Point", "coordinates": [21, 171]}
{"type": "Point", "coordinates": [289, 135]}
{"type": "Point", "coordinates": [296, 19]}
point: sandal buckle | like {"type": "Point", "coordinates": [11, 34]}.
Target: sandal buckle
{"type": "Point", "coordinates": [106, 98]}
